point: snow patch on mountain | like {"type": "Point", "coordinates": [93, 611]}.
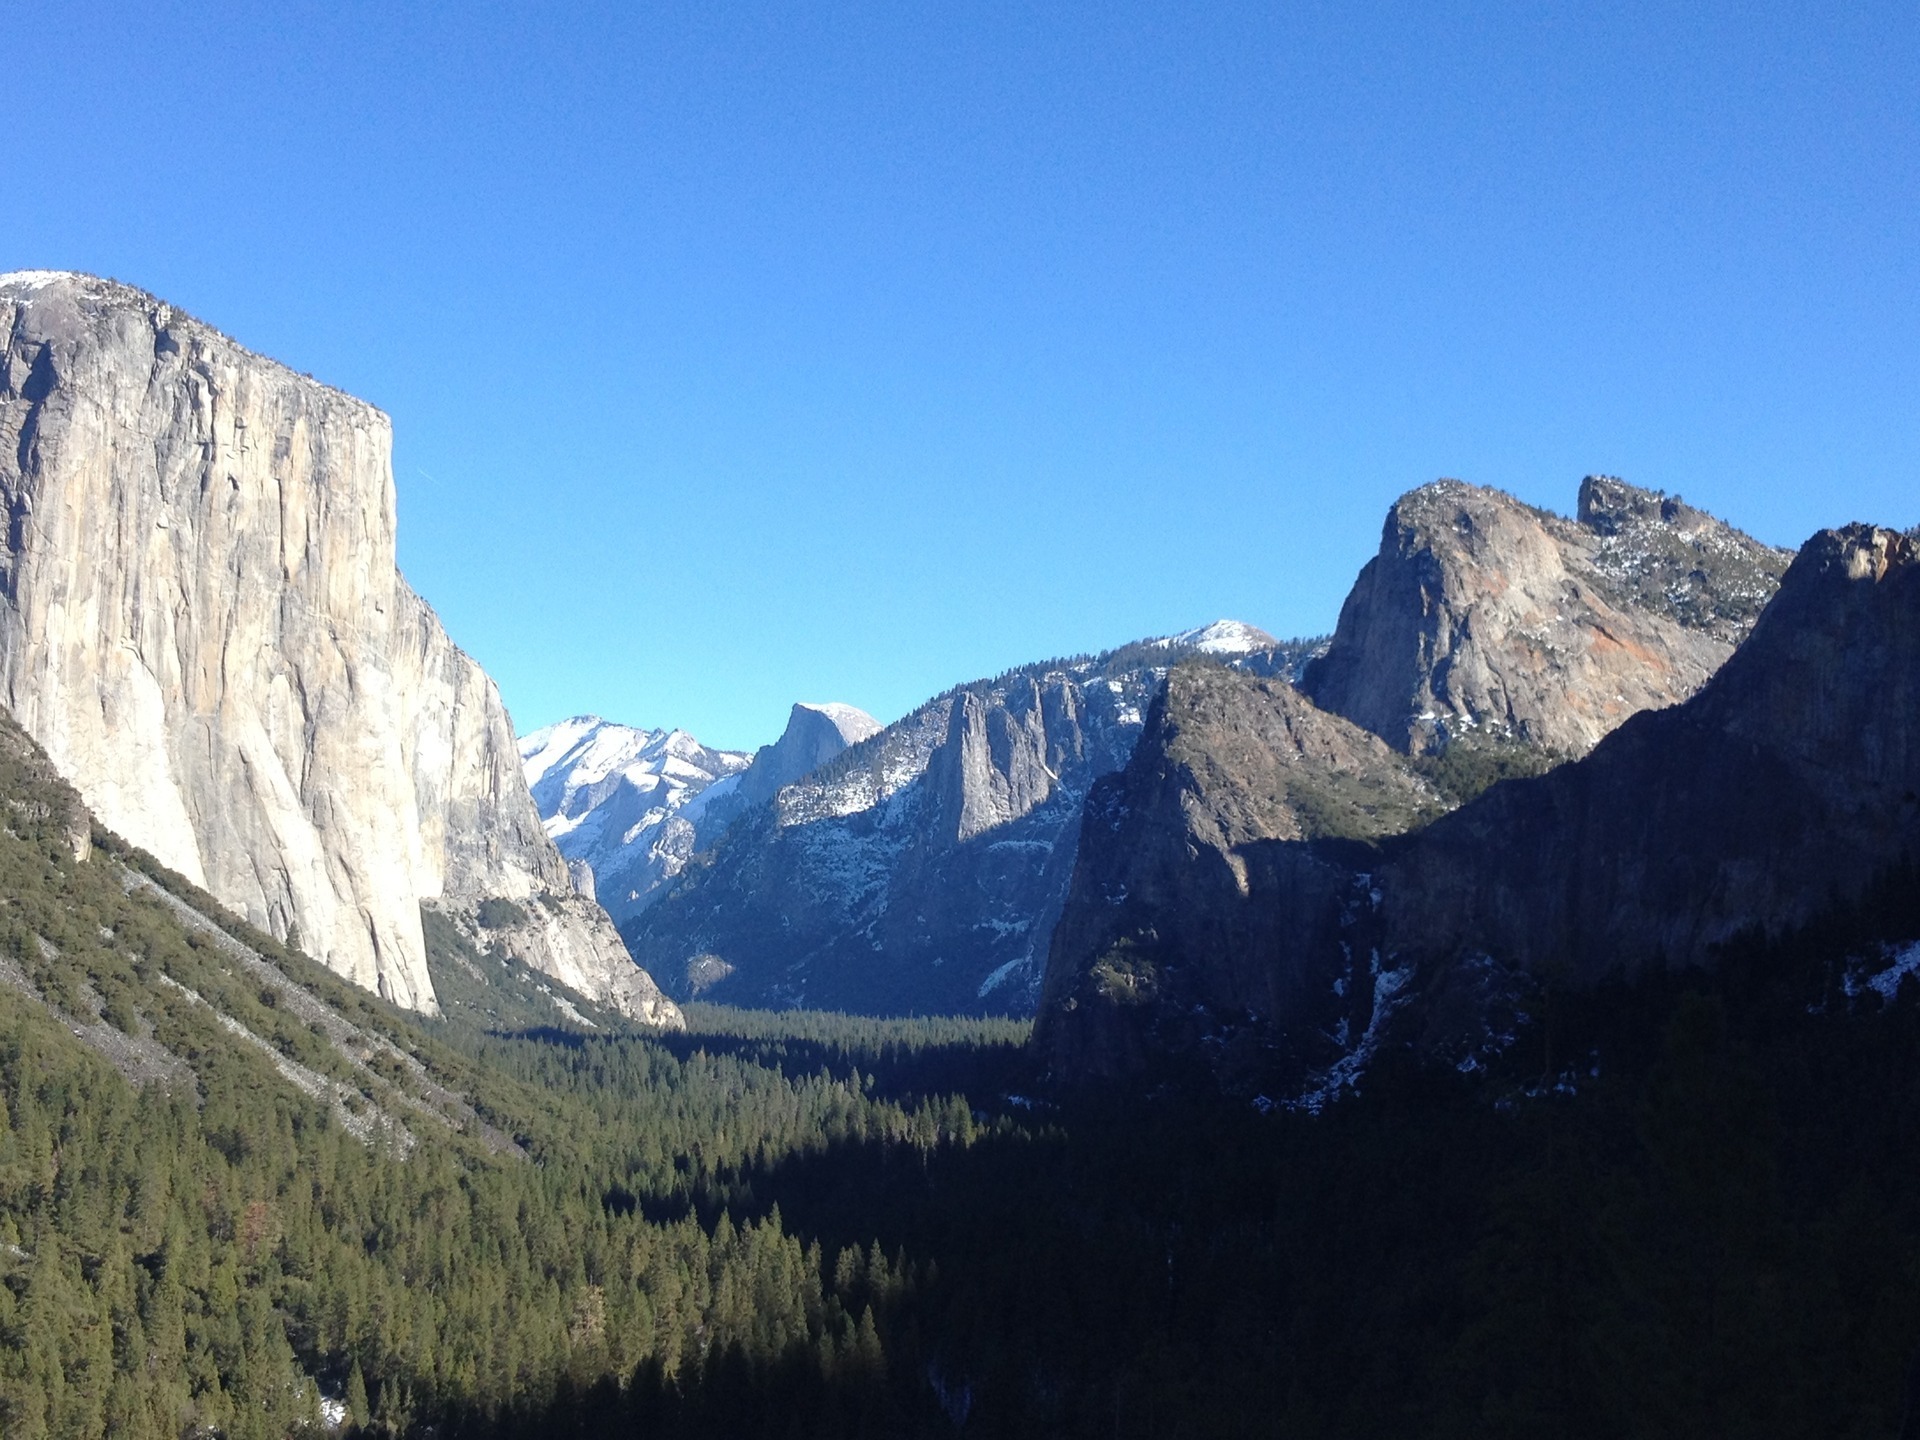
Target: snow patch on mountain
{"type": "Point", "coordinates": [623, 801]}
{"type": "Point", "coordinates": [1893, 967]}
{"type": "Point", "coordinates": [922, 869]}
{"type": "Point", "coordinates": [816, 734]}
{"type": "Point", "coordinates": [853, 723]}
{"type": "Point", "coordinates": [1222, 637]}
{"type": "Point", "coordinates": [30, 280]}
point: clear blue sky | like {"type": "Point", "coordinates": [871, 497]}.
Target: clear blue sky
{"type": "Point", "coordinates": [745, 353]}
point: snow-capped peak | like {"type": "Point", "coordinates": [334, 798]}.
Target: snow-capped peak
{"type": "Point", "coordinates": [571, 767]}
{"type": "Point", "coordinates": [1222, 637]}
{"type": "Point", "coordinates": [542, 749]}
{"type": "Point", "coordinates": [621, 800]}
{"type": "Point", "coordinates": [32, 279]}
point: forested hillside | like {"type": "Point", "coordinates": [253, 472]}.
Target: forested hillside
{"type": "Point", "coordinates": [275, 1206]}
{"type": "Point", "coordinates": [232, 1186]}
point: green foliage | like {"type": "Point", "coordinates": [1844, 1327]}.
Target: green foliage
{"type": "Point", "coordinates": [1127, 974]}
{"type": "Point", "coordinates": [1685, 1207]}
{"type": "Point", "coordinates": [1336, 805]}
{"type": "Point", "coordinates": [1700, 580]}
{"type": "Point", "coordinates": [1472, 765]}
{"type": "Point", "coordinates": [491, 989]}
{"type": "Point", "coordinates": [498, 913]}
{"type": "Point", "coordinates": [211, 1254]}
{"type": "Point", "coordinates": [202, 1262]}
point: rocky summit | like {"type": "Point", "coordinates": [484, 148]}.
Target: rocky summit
{"type": "Point", "coordinates": [814, 735]}
{"type": "Point", "coordinates": [1486, 622]}
{"type": "Point", "coordinates": [1787, 784]}
{"type": "Point", "coordinates": [202, 623]}
{"type": "Point", "coordinates": [1278, 956]}
{"type": "Point", "coordinates": [629, 808]}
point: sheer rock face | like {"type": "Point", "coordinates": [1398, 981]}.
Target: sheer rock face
{"type": "Point", "coordinates": [1482, 618]}
{"type": "Point", "coordinates": [814, 735]}
{"type": "Point", "coordinates": [1788, 783]}
{"type": "Point", "coordinates": [919, 871]}
{"type": "Point", "coordinates": [202, 623]}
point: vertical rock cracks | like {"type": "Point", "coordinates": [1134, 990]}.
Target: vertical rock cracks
{"type": "Point", "coordinates": [204, 626]}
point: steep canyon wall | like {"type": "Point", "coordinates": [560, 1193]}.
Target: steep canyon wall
{"type": "Point", "coordinates": [202, 621]}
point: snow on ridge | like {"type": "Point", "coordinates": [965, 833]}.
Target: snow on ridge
{"type": "Point", "coordinates": [621, 799]}
{"type": "Point", "coordinates": [853, 723]}
{"type": "Point", "coordinates": [34, 279]}
{"type": "Point", "coordinates": [542, 749]}
{"type": "Point", "coordinates": [906, 748]}
{"type": "Point", "coordinates": [591, 749]}
{"type": "Point", "coordinates": [1897, 964]}
{"type": "Point", "coordinates": [575, 766]}
{"type": "Point", "coordinates": [1222, 637]}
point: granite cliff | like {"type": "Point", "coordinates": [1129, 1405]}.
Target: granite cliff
{"type": "Point", "coordinates": [1788, 783]}
{"type": "Point", "coordinates": [202, 623]}
{"type": "Point", "coordinates": [815, 734]}
{"type": "Point", "coordinates": [1487, 622]}
{"type": "Point", "coordinates": [1241, 797]}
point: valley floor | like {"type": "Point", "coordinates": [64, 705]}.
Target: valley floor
{"type": "Point", "coordinates": [1684, 1209]}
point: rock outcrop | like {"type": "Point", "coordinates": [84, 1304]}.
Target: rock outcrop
{"type": "Point", "coordinates": [924, 868]}
{"type": "Point", "coordinates": [202, 623]}
{"type": "Point", "coordinates": [815, 734]}
{"type": "Point", "coordinates": [629, 808]}
{"type": "Point", "coordinates": [1786, 785]}
{"type": "Point", "coordinates": [1483, 620]}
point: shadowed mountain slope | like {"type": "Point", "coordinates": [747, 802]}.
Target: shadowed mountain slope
{"type": "Point", "coordinates": [922, 870]}
{"type": "Point", "coordinates": [1787, 784]}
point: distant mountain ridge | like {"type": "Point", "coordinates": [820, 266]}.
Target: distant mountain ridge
{"type": "Point", "coordinates": [923, 868]}
{"type": "Point", "coordinates": [628, 808]}
{"type": "Point", "coordinates": [620, 802]}
{"type": "Point", "coordinates": [815, 734]}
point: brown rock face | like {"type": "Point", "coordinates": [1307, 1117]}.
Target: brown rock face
{"type": "Point", "coordinates": [1485, 620]}
{"type": "Point", "coordinates": [1790, 782]}
{"type": "Point", "coordinates": [202, 623]}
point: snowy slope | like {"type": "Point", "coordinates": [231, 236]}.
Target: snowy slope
{"type": "Point", "coordinates": [1222, 637]}
{"type": "Point", "coordinates": [623, 801]}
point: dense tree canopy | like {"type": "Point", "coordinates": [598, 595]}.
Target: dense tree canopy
{"type": "Point", "coordinates": [1681, 1208]}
